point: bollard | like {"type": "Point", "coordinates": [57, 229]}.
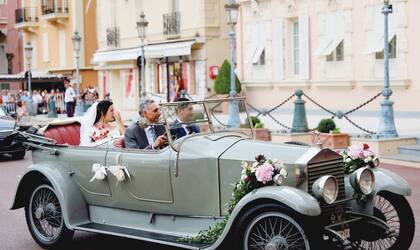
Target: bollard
{"type": "Point", "coordinates": [52, 111]}
{"type": "Point", "coordinates": [300, 124]}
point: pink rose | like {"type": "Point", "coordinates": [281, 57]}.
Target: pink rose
{"type": "Point", "coordinates": [368, 152]}
{"type": "Point", "coordinates": [265, 173]}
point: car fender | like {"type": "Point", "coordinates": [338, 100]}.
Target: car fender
{"type": "Point", "coordinates": [294, 198]}
{"type": "Point", "coordinates": [73, 205]}
{"type": "Point", "coordinates": [386, 180]}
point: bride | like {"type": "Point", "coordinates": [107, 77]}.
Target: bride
{"type": "Point", "coordinates": [98, 126]}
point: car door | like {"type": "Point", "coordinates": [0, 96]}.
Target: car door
{"type": "Point", "coordinates": [82, 159]}
{"type": "Point", "coordinates": [149, 183]}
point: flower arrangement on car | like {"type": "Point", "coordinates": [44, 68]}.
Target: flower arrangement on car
{"type": "Point", "coordinates": [99, 133]}
{"type": "Point", "coordinates": [263, 172]}
{"type": "Point", "coordinates": [358, 156]}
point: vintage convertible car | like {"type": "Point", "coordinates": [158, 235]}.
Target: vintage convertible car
{"type": "Point", "coordinates": [182, 189]}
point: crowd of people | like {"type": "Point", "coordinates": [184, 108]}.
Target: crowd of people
{"type": "Point", "coordinates": [16, 102]}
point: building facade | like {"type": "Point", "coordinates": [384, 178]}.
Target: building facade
{"type": "Point", "coordinates": [331, 49]}
{"type": "Point", "coordinates": [184, 38]}
{"type": "Point", "coordinates": [11, 47]}
{"type": "Point", "coordinates": [48, 25]}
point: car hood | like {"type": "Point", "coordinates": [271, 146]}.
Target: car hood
{"type": "Point", "coordinates": [246, 150]}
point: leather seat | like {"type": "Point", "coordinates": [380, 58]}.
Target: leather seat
{"type": "Point", "coordinates": [64, 134]}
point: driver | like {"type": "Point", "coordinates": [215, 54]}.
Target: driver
{"type": "Point", "coordinates": [184, 112]}
{"type": "Point", "coordinates": [143, 134]}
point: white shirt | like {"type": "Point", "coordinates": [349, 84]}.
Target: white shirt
{"type": "Point", "coordinates": [69, 95]}
{"type": "Point", "coordinates": [149, 135]}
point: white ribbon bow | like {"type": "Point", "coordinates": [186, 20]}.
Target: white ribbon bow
{"type": "Point", "coordinates": [119, 172]}
{"type": "Point", "coordinates": [99, 172]}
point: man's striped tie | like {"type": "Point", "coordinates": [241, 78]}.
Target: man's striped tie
{"type": "Point", "coordinates": [153, 132]}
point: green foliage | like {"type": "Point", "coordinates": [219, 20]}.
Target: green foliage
{"type": "Point", "coordinates": [256, 122]}
{"type": "Point", "coordinates": [336, 131]}
{"type": "Point", "coordinates": [326, 125]}
{"type": "Point", "coordinates": [197, 116]}
{"type": "Point", "coordinates": [222, 82]}
{"type": "Point", "coordinates": [208, 236]}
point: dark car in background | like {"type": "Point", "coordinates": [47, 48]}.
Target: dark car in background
{"type": "Point", "coordinates": [10, 140]}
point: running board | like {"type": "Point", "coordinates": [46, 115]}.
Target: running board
{"type": "Point", "coordinates": [138, 235]}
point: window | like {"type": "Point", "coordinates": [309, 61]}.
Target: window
{"type": "Point", "coordinates": [337, 54]}
{"type": "Point", "coordinates": [392, 50]}
{"type": "Point", "coordinates": [296, 46]}
{"type": "Point", "coordinates": [261, 59]}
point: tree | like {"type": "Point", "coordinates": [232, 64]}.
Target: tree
{"type": "Point", "coordinates": [222, 82]}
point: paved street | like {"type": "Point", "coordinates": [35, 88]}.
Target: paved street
{"type": "Point", "coordinates": [14, 233]}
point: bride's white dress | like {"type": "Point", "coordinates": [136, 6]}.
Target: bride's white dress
{"type": "Point", "coordinates": [87, 127]}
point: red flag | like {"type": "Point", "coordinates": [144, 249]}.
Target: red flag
{"type": "Point", "coordinates": [104, 82]}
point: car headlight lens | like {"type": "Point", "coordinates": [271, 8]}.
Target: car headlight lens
{"type": "Point", "coordinates": [363, 180]}
{"type": "Point", "coordinates": [326, 188]}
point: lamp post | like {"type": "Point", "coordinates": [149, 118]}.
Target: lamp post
{"type": "Point", "coordinates": [386, 123]}
{"type": "Point", "coordinates": [28, 55]}
{"type": "Point", "coordinates": [141, 30]}
{"type": "Point", "coordinates": [77, 40]}
{"type": "Point", "coordinates": [232, 15]}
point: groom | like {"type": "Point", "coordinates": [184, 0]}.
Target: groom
{"type": "Point", "coordinates": [145, 136]}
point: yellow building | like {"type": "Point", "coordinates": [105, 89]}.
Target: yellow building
{"type": "Point", "coordinates": [184, 38]}
{"type": "Point", "coordinates": [49, 26]}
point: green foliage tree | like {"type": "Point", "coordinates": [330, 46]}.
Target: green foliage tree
{"type": "Point", "coordinates": [326, 125]}
{"type": "Point", "coordinates": [222, 82]}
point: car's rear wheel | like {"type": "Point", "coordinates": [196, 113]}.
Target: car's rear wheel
{"type": "Point", "coordinates": [272, 227]}
{"type": "Point", "coordinates": [44, 218]}
{"type": "Point", "coordinates": [396, 212]}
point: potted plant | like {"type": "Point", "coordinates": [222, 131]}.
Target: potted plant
{"type": "Point", "coordinates": [330, 137]}
{"type": "Point", "coordinates": [222, 85]}
{"type": "Point", "coordinates": [261, 133]}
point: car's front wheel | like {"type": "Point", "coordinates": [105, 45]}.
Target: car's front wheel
{"type": "Point", "coordinates": [44, 218]}
{"type": "Point", "coordinates": [272, 227]}
{"type": "Point", "coordinates": [396, 212]}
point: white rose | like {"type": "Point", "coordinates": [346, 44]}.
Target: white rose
{"type": "Point", "coordinates": [348, 160]}
{"type": "Point", "coordinates": [283, 173]}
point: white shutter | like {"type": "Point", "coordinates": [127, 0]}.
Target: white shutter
{"type": "Point", "coordinates": [45, 47]}
{"type": "Point", "coordinates": [304, 47]}
{"type": "Point", "coordinates": [278, 49]}
{"type": "Point", "coordinates": [252, 31]}
{"type": "Point", "coordinates": [62, 47]}
{"type": "Point", "coordinates": [260, 42]}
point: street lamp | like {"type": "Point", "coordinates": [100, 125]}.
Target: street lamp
{"type": "Point", "coordinates": [28, 55]}
{"type": "Point", "coordinates": [386, 123]}
{"type": "Point", "coordinates": [141, 30]}
{"type": "Point", "coordinates": [77, 41]}
{"type": "Point", "coordinates": [232, 18]}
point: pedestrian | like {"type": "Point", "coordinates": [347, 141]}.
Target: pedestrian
{"type": "Point", "coordinates": [69, 99]}
{"type": "Point", "coordinates": [89, 97]}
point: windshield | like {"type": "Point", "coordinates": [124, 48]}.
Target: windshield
{"type": "Point", "coordinates": [2, 112]}
{"type": "Point", "coordinates": [208, 116]}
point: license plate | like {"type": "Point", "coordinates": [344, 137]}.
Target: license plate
{"type": "Point", "coordinates": [345, 233]}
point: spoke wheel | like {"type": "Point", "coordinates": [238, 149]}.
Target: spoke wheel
{"type": "Point", "coordinates": [396, 212]}
{"type": "Point", "coordinates": [45, 219]}
{"type": "Point", "coordinates": [275, 231]}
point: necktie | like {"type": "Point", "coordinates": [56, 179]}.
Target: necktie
{"type": "Point", "coordinates": [153, 132]}
{"type": "Point", "coordinates": [190, 130]}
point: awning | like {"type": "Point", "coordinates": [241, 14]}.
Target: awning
{"type": "Point", "coordinates": [151, 51]}
{"type": "Point", "coordinates": [36, 76]}
{"type": "Point", "coordinates": [328, 47]}
{"type": "Point", "coordinates": [377, 43]}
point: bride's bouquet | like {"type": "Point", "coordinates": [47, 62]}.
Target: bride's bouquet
{"type": "Point", "coordinates": [99, 133]}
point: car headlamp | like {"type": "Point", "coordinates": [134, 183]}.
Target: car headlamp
{"type": "Point", "coordinates": [363, 180]}
{"type": "Point", "coordinates": [326, 188]}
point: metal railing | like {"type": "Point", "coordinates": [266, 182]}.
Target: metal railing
{"type": "Point", "coordinates": [113, 36]}
{"type": "Point", "coordinates": [27, 14]}
{"type": "Point", "coordinates": [172, 24]}
{"type": "Point", "coordinates": [54, 7]}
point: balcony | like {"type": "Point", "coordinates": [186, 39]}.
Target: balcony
{"type": "Point", "coordinates": [26, 19]}
{"type": "Point", "coordinates": [113, 37]}
{"type": "Point", "coordinates": [172, 25]}
{"type": "Point", "coordinates": [55, 10]}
